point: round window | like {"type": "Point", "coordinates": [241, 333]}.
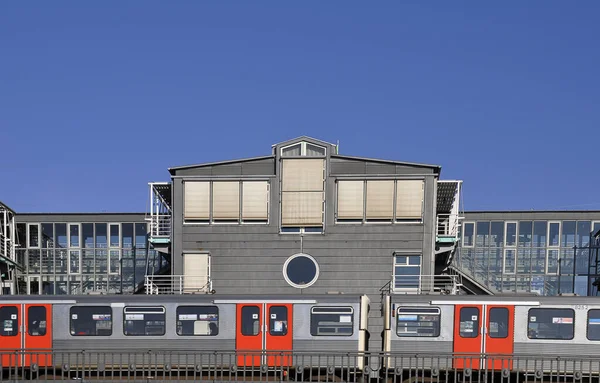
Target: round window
{"type": "Point", "coordinates": [300, 270]}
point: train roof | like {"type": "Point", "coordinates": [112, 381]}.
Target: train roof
{"type": "Point", "coordinates": [505, 298]}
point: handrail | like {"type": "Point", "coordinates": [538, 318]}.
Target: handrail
{"type": "Point", "coordinates": [178, 284]}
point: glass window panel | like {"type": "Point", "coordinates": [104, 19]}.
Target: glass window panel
{"type": "Point", "coordinates": [278, 320]}
{"type": "Point", "coordinates": [593, 325]}
{"type": "Point", "coordinates": [568, 233]}
{"type": "Point", "coordinates": [581, 285]}
{"type": "Point", "coordinates": [101, 235]}
{"type": "Point", "coordinates": [418, 321]}
{"type": "Point", "coordinates": [144, 321]}
{"type": "Point", "coordinates": [140, 235]}
{"type": "Point", "coordinates": [9, 317]}
{"type": "Point", "coordinates": [552, 261]}
{"type": "Point", "coordinates": [60, 231]}
{"type": "Point", "coordinates": [314, 151]}
{"type": "Point", "coordinates": [511, 234]}
{"type": "Point", "coordinates": [198, 320]}
{"type": "Point", "coordinates": [525, 230]}
{"type": "Point", "coordinates": [331, 321]}
{"type": "Point", "coordinates": [88, 262]}
{"type": "Point", "coordinates": [36, 321]}
{"type": "Point", "coordinates": [509, 261]}
{"type": "Point", "coordinates": [101, 261]}
{"type": "Point", "coordinates": [22, 235]}
{"type": "Point", "coordinates": [468, 231]}
{"type": "Point", "coordinates": [582, 261]}
{"type": "Point", "coordinates": [469, 322]}
{"type": "Point", "coordinates": [91, 320]}
{"type": "Point", "coordinates": [539, 233]}
{"type": "Point", "coordinates": [495, 261]}
{"type": "Point", "coordinates": [88, 235]}
{"type": "Point", "coordinates": [250, 320]}
{"type": "Point", "coordinates": [47, 235]}
{"type": "Point", "coordinates": [554, 234]}
{"type": "Point", "coordinates": [127, 232]}
{"type": "Point", "coordinates": [538, 261]}
{"type": "Point", "coordinates": [34, 235]}
{"type": "Point", "coordinates": [74, 235]}
{"type": "Point", "coordinates": [584, 229]}
{"type": "Point", "coordinates": [596, 227]}
{"type": "Point", "coordinates": [114, 261]}
{"type": "Point", "coordinates": [497, 234]}
{"type": "Point", "coordinates": [551, 324]}
{"type": "Point", "coordinates": [524, 261]}
{"type": "Point", "coordinates": [499, 322]}
{"type": "Point", "coordinates": [482, 234]}
{"type": "Point", "coordinates": [114, 235]}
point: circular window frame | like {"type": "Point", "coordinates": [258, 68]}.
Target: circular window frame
{"type": "Point", "coordinates": [306, 285]}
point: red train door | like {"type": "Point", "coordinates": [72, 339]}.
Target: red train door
{"type": "Point", "coordinates": [10, 335]}
{"type": "Point", "coordinates": [468, 341]}
{"type": "Point", "coordinates": [249, 334]}
{"type": "Point", "coordinates": [279, 334]}
{"type": "Point", "coordinates": [37, 334]}
{"type": "Point", "coordinates": [499, 335]}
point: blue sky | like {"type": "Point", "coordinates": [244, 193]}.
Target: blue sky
{"type": "Point", "coordinates": [99, 98]}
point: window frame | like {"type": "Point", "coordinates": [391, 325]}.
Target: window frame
{"type": "Point", "coordinates": [587, 325]}
{"type": "Point", "coordinates": [258, 307]}
{"type": "Point", "coordinates": [302, 145]}
{"type": "Point", "coordinates": [476, 329]}
{"type": "Point", "coordinates": [559, 223]}
{"type": "Point", "coordinates": [550, 308]}
{"type": "Point", "coordinates": [90, 306]}
{"type": "Point", "coordinates": [506, 223]}
{"type": "Point", "coordinates": [349, 311]}
{"type": "Point", "coordinates": [548, 250]}
{"type": "Point", "coordinates": [407, 265]}
{"type": "Point", "coordinates": [489, 320]}
{"type": "Point", "coordinates": [472, 245]}
{"type": "Point", "coordinates": [16, 320]}
{"type": "Point", "coordinates": [80, 237]}
{"type": "Point", "coordinates": [270, 319]}
{"type": "Point", "coordinates": [163, 312]}
{"type": "Point", "coordinates": [34, 306]}
{"type": "Point", "coordinates": [39, 236]}
{"type": "Point", "coordinates": [298, 255]}
{"type": "Point", "coordinates": [177, 319]}
{"type": "Point", "coordinates": [437, 328]}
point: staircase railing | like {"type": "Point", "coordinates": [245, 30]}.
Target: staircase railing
{"type": "Point", "coordinates": [425, 283]}
{"type": "Point", "coordinates": [178, 284]}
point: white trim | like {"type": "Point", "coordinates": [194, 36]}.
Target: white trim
{"type": "Point", "coordinates": [472, 245]}
{"type": "Point", "coordinates": [260, 301]}
{"type": "Point", "coordinates": [548, 250]}
{"type": "Point", "coordinates": [487, 303]}
{"type": "Point", "coordinates": [79, 235]}
{"type": "Point", "coordinates": [287, 279]}
{"type": "Point", "coordinates": [559, 234]}
{"type": "Point", "coordinates": [513, 271]}
{"type": "Point", "coordinates": [516, 223]}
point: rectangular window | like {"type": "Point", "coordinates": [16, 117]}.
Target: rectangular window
{"type": "Point", "coordinates": [302, 193]}
{"type": "Point", "coordinates": [74, 235]}
{"type": "Point", "coordinates": [114, 261]}
{"type": "Point", "coordinates": [593, 325]}
{"type": "Point", "coordinates": [482, 234]}
{"type": "Point", "coordinates": [331, 321]}
{"type": "Point", "coordinates": [584, 229]}
{"type": "Point", "coordinates": [47, 235]}
{"type": "Point", "coordinates": [510, 231]}
{"type": "Point", "coordinates": [115, 237]}
{"type": "Point", "coordinates": [525, 232]}
{"type": "Point", "coordinates": [74, 261]}
{"type": "Point", "coordinates": [418, 321]}
{"type": "Point", "coordinates": [350, 201]}
{"type": "Point", "coordinates": [407, 271]}
{"type": "Point", "coordinates": [468, 233]}
{"type": "Point", "coordinates": [539, 233]}
{"type": "Point", "coordinates": [568, 233]}
{"type": "Point", "coordinates": [101, 236]}
{"type": "Point", "coordinates": [497, 234]}
{"type": "Point", "coordinates": [278, 320]}
{"type": "Point", "coordinates": [510, 264]}
{"type": "Point", "coordinates": [409, 200]}
{"type": "Point", "coordinates": [34, 235]}
{"type": "Point", "coordinates": [551, 324]}
{"type": "Point", "coordinates": [144, 321]}
{"type": "Point", "coordinates": [60, 233]}
{"type": "Point", "coordinates": [226, 201]}
{"type": "Point", "coordinates": [380, 200]}
{"type": "Point", "coordinates": [9, 316]}
{"type": "Point", "coordinates": [196, 201]}
{"type": "Point", "coordinates": [36, 321]}
{"type": "Point", "coordinates": [552, 261]}
{"type": "Point", "coordinates": [250, 320]}
{"type": "Point", "coordinates": [141, 230]}
{"type": "Point", "coordinates": [499, 322]}
{"type": "Point", "coordinates": [553, 234]}
{"type": "Point", "coordinates": [91, 320]}
{"type": "Point", "coordinates": [127, 233]}
{"type": "Point", "coordinates": [198, 320]}
{"type": "Point", "coordinates": [88, 235]}
{"type": "Point", "coordinates": [255, 201]}
{"type": "Point", "coordinates": [469, 322]}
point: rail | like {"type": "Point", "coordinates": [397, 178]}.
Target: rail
{"type": "Point", "coordinates": [447, 226]}
{"type": "Point", "coordinates": [160, 226]}
{"type": "Point", "coordinates": [287, 366]}
{"type": "Point", "coordinates": [160, 212]}
{"type": "Point", "coordinates": [419, 284]}
{"type": "Point", "coordinates": [177, 284]}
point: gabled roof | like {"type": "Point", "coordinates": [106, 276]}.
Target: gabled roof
{"type": "Point", "coordinates": [437, 168]}
{"type": "Point", "coordinates": [303, 138]}
{"type": "Point", "coordinates": [175, 168]}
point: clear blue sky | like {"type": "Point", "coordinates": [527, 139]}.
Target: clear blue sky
{"type": "Point", "coordinates": [99, 98]}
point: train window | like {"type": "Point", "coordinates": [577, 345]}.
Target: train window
{"type": "Point", "coordinates": [198, 320]}
{"type": "Point", "coordinates": [91, 320]}
{"type": "Point", "coordinates": [551, 324]}
{"type": "Point", "coordinates": [331, 321]}
{"type": "Point", "coordinates": [250, 320]}
{"type": "Point", "coordinates": [278, 320]}
{"type": "Point", "coordinates": [469, 322]}
{"type": "Point", "coordinates": [9, 316]}
{"type": "Point", "coordinates": [144, 321]}
{"type": "Point", "coordinates": [36, 321]}
{"type": "Point", "coordinates": [498, 322]}
{"type": "Point", "coordinates": [593, 325]}
{"type": "Point", "coordinates": [418, 321]}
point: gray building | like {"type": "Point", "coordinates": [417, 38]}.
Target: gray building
{"type": "Point", "coordinates": [544, 252]}
{"type": "Point", "coordinates": [306, 219]}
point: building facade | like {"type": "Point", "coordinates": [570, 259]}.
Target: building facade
{"type": "Point", "coordinates": [544, 252]}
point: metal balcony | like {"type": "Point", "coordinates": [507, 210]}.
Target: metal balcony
{"type": "Point", "coordinates": [178, 284]}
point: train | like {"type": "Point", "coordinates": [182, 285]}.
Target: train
{"type": "Point", "coordinates": [299, 332]}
